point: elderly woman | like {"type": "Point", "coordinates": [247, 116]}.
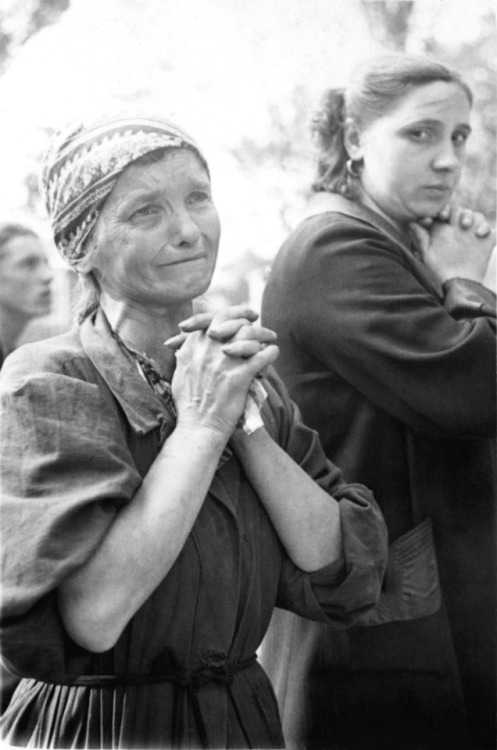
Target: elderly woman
{"type": "Point", "coordinates": [388, 348]}
{"type": "Point", "coordinates": [158, 501]}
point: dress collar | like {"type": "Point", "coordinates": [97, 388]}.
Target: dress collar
{"type": "Point", "coordinates": [144, 409]}
{"type": "Point", "coordinates": [322, 202]}
{"type": "Point", "coordinates": [333, 202]}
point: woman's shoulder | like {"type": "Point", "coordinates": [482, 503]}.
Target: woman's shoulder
{"type": "Point", "coordinates": [49, 370]}
{"type": "Point", "coordinates": [331, 234]}
{"type": "Point", "coordinates": [331, 243]}
{"type": "Point", "coordinates": [50, 355]}
{"type": "Point", "coordinates": [336, 227]}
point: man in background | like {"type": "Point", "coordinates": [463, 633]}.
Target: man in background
{"type": "Point", "coordinates": [25, 283]}
{"type": "Point", "coordinates": [25, 293]}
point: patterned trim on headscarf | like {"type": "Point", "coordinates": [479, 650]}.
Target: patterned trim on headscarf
{"type": "Point", "coordinates": [83, 164]}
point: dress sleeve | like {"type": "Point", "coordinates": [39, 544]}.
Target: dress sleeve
{"type": "Point", "coordinates": [64, 472]}
{"type": "Point", "coordinates": [363, 309]}
{"type": "Point", "coordinates": [342, 591]}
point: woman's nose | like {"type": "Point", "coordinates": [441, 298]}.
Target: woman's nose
{"type": "Point", "coordinates": [447, 157]}
{"type": "Point", "coordinates": [184, 230]}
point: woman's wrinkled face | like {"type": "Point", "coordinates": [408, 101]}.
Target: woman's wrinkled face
{"type": "Point", "coordinates": [413, 156]}
{"type": "Point", "coordinates": [157, 235]}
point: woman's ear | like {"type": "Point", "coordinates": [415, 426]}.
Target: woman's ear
{"type": "Point", "coordinates": [86, 264]}
{"type": "Point", "coordinates": [352, 140]}
{"type": "Point", "coordinates": [83, 265]}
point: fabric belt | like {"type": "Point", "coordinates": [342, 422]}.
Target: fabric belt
{"type": "Point", "coordinates": [213, 669]}
{"type": "Point", "coordinates": [187, 678]}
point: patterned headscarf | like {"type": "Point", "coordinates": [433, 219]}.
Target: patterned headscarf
{"type": "Point", "coordinates": [83, 164]}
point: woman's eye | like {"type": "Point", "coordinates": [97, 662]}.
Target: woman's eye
{"type": "Point", "coordinates": [419, 135]}
{"type": "Point", "coordinates": [145, 211]}
{"type": "Point", "coordinates": [199, 196]}
{"type": "Point", "coordinates": [460, 138]}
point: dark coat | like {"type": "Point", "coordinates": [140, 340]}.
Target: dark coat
{"type": "Point", "coordinates": [79, 429]}
{"type": "Point", "coordinates": [398, 377]}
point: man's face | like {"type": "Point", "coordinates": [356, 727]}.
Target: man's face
{"type": "Point", "coordinates": [25, 278]}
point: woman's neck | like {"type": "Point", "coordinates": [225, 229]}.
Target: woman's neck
{"type": "Point", "coordinates": [367, 201]}
{"type": "Point", "coordinates": [146, 329]}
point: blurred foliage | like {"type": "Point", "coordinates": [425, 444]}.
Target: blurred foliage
{"type": "Point", "coordinates": [283, 156]}
{"type": "Point", "coordinates": [21, 20]}
{"type": "Point", "coordinates": [31, 181]}
{"type": "Point", "coordinates": [389, 21]}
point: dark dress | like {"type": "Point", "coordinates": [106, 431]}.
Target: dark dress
{"type": "Point", "coordinates": [79, 428]}
{"type": "Point", "coordinates": [398, 377]}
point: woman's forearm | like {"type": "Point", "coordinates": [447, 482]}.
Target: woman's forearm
{"type": "Point", "coordinates": [305, 517]}
{"type": "Point", "coordinates": [98, 600]}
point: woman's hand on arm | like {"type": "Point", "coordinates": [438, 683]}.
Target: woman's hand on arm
{"type": "Point", "coordinates": [210, 389]}
{"type": "Point", "coordinates": [458, 244]}
{"type": "Point", "coordinates": [306, 518]}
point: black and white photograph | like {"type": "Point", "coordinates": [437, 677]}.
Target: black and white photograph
{"type": "Point", "coordinates": [248, 374]}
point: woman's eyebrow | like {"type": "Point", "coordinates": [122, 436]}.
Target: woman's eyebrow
{"type": "Point", "coordinates": [151, 193]}
{"type": "Point", "coordinates": [434, 122]}
{"type": "Point", "coordinates": [128, 200]}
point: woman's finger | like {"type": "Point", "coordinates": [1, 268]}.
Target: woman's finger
{"type": "Point", "coordinates": [197, 322]}
{"type": "Point", "coordinates": [204, 320]}
{"type": "Point", "coordinates": [232, 330]}
{"type": "Point", "coordinates": [466, 218]}
{"type": "Point", "coordinates": [483, 229]}
{"type": "Point", "coordinates": [224, 330]}
{"type": "Point", "coordinates": [420, 236]}
{"type": "Point", "coordinates": [254, 360]}
{"type": "Point", "coordinates": [445, 213]}
{"type": "Point", "coordinates": [243, 349]}
{"type": "Point", "coordinates": [175, 342]}
{"type": "Point", "coordinates": [266, 356]}
{"type": "Point", "coordinates": [236, 316]}
{"type": "Point", "coordinates": [258, 333]}
{"type": "Point", "coordinates": [426, 222]}
{"type": "Point", "coordinates": [481, 226]}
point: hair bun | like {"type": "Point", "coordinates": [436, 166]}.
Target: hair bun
{"type": "Point", "coordinates": [330, 118]}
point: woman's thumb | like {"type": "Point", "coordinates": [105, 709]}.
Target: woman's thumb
{"type": "Point", "coordinates": [421, 237]}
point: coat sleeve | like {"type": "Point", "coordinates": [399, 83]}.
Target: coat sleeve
{"type": "Point", "coordinates": [343, 591]}
{"type": "Point", "coordinates": [364, 309]}
{"type": "Point", "coordinates": [64, 473]}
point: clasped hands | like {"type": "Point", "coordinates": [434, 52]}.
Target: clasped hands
{"type": "Point", "coordinates": [218, 356]}
{"type": "Point", "coordinates": [233, 327]}
{"type": "Point", "coordinates": [457, 243]}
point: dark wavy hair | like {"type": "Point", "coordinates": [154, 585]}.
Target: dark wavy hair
{"type": "Point", "coordinates": [375, 87]}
